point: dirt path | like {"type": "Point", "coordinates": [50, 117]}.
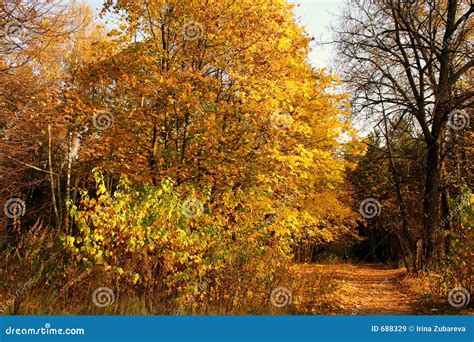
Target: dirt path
{"type": "Point", "coordinates": [363, 289]}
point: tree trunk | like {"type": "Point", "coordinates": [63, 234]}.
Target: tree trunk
{"type": "Point", "coordinates": [446, 221]}
{"type": "Point", "coordinates": [404, 255]}
{"type": "Point", "coordinates": [51, 179]}
{"type": "Point", "coordinates": [431, 201]}
{"type": "Point", "coordinates": [402, 206]}
{"type": "Point", "coordinates": [67, 221]}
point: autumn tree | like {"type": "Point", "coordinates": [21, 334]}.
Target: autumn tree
{"type": "Point", "coordinates": [192, 143]}
{"type": "Point", "coordinates": [35, 49]}
{"type": "Point", "coordinates": [414, 59]}
{"type": "Point", "coordinates": [392, 170]}
{"type": "Point", "coordinates": [191, 95]}
{"type": "Point", "coordinates": [216, 103]}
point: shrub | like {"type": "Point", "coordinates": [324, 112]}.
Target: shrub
{"type": "Point", "coordinates": [183, 253]}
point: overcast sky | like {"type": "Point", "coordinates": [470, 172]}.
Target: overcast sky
{"type": "Point", "coordinates": [314, 15]}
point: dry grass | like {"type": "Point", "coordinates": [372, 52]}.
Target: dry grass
{"type": "Point", "coordinates": [433, 292]}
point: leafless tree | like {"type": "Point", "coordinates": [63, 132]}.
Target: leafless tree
{"type": "Point", "coordinates": [35, 40]}
{"type": "Point", "coordinates": [412, 59]}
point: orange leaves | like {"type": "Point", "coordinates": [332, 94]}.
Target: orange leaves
{"type": "Point", "coordinates": [235, 112]}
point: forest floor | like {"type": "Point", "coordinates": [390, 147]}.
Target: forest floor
{"type": "Point", "coordinates": [354, 289]}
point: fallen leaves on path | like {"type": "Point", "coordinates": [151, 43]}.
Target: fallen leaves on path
{"type": "Point", "coordinates": [344, 289]}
